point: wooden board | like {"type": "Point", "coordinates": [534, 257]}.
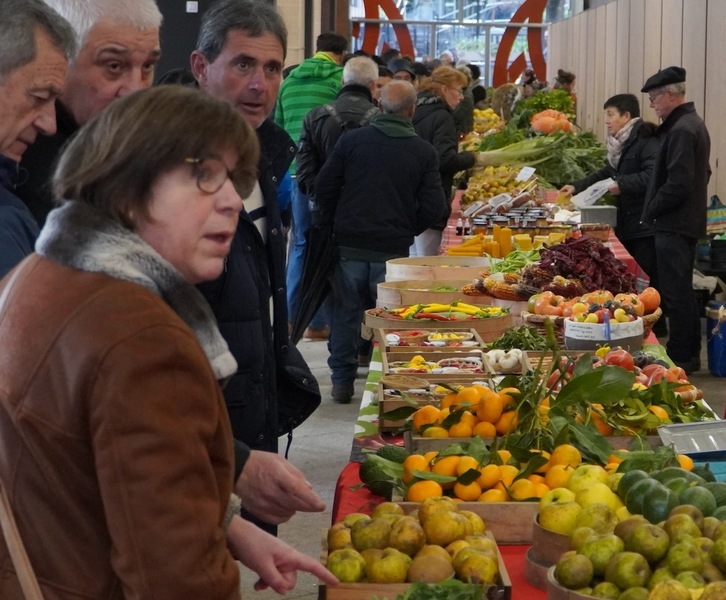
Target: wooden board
{"type": "Point", "coordinates": [451, 353]}
{"type": "Point", "coordinates": [370, 591]}
{"type": "Point", "coordinates": [489, 329]}
{"type": "Point", "coordinates": [435, 267]}
{"type": "Point", "coordinates": [392, 294]}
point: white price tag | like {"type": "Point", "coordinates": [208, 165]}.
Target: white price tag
{"type": "Point", "coordinates": [525, 173]}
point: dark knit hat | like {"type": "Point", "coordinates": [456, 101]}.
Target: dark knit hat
{"type": "Point", "coordinates": [401, 64]}
{"type": "Point", "coordinates": [665, 77]}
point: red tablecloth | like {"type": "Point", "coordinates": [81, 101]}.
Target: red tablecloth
{"type": "Point", "coordinates": [349, 501]}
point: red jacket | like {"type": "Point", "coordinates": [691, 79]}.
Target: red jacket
{"type": "Point", "coordinates": [115, 445]}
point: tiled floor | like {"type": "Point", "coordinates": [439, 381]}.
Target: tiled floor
{"type": "Point", "coordinates": [322, 447]}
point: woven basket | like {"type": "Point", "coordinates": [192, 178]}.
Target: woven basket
{"type": "Point", "coordinates": [650, 320]}
{"type": "Point", "coordinates": [537, 321]}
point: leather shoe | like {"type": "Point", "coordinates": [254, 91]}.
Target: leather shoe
{"type": "Point", "coordinates": [321, 334]}
{"type": "Point", "coordinates": [342, 393]}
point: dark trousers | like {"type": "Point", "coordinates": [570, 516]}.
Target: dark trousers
{"type": "Point", "coordinates": [643, 251]}
{"type": "Point", "coordinates": [675, 257]}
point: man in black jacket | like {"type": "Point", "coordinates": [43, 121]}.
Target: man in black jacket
{"type": "Point", "coordinates": [675, 206]}
{"type": "Point", "coordinates": [380, 187]}
{"type": "Point", "coordinates": [239, 57]}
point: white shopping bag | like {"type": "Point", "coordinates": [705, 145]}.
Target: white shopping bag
{"type": "Point", "coordinates": [592, 194]}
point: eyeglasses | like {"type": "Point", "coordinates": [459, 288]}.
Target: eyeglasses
{"type": "Point", "coordinates": [652, 97]}
{"type": "Point", "coordinates": [211, 174]}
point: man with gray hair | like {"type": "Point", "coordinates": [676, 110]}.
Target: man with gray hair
{"type": "Point", "coordinates": [379, 188]}
{"type": "Point", "coordinates": [118, 48]}
{"type": "Point", "coordinates": [36, 44]}
{"type": "Point", "coordinates": [239, 57]}
{"type": "Point", "coordinates": [675, 206]}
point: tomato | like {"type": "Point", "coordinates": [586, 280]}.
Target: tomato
{"type": "Point", "coordinates": [531, 302]}
{"type": "Point", "coordinates": [650, 297]}
{"type": "Point", "coordinates": [620, 358]}
{"type": "Point", "coordinates": [654, 373]}
{"type": "Point", "coordinates": [597, 297]}
{"type": "Point", "coordinates": [548, 303]}
{"type": "Point", "coordinates": [633, 301]}
{"type": "Point", "coordinates": [567, 307]}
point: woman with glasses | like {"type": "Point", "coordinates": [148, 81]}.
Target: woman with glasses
{"type": "Point", "coordinates": [115, 445]}
{"type": "Point", "coordinates": [434, 122]}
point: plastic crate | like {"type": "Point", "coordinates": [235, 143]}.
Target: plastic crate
{"type": "Point", "coordinates": [599, 214]}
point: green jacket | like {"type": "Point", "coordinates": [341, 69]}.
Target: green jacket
{"type": "Point", "coordinates": [315, 82]}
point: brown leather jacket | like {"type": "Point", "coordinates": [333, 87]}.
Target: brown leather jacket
{"type": "Point", "coordinates": [115, 446]}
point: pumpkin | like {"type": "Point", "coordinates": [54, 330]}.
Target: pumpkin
{"type": "Point", "coordinates": [550, 120]}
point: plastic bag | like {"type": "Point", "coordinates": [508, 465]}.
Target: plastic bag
{"type": "Point", "coordinates": [716, 216]}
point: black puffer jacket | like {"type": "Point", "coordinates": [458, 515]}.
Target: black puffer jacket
{"type": "Point", "coordinates": [677, 194]}
{"type": "Point", "coordinates": [321, 131]}
{"type": "Point", "coordinates": [273, 389]}
{"type": "Point", "coordinates": [633, 173]}
{"type": "Point", "coordinates": [434, 122]}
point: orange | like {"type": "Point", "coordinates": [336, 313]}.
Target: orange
{"type": "Point", "coordinates": [509, 396]}
{"type": "Point", "coordinates": [445, 412]}
{"type": "Point", "coordinates": [507, 422]}
{"type": "Point", "coordinates": [540, 489]}
{"type": "Point", "coordinates": [424, 416]}
{"type": "Point", "coordinates": [430, 456]}
{"type": "Point", "coordinates": [522, 489]}
{"type": "Point", "coordinates": [423, 489]}
{"type": "Point", "coordinates": [468, 493]}
{"type": "Point", "coordinates": [414, 462]}
{"type": "Point", "coordinates": [505, 455]}
{"type": "Point", "coordinates": [466, 463]}
{"type": "Point", "coordinates": [494, 496]}
{"type": "Point", "coordinates": [484, 430]}
{"type": "Point", "coordinates": [547, 465]}
{"type": "Point", "coordinates": [490, 476]}
{"type": "Point", "coordinates": [461, 430]}
{"type": "Point", "coordinates": [566, 454]}
{"type": "Point", "coordinates": [446, 465]}
{"type": "Point", "coordinates": [467, 395]}
{"type": "Point", "coordinates": [659, 412]}
{"type": "Point", "coordinates": [611, 467]}
{"type": "Point", "coordinates": [448, 400]}
{"type": "Point", "coordinates": [685, 462]}
{"type": "Point", "coordinates": [490, 409]}
{"type": "Point", "coordinates": [435, 432]}
{"type": "Point", "coordinates": [500, 486]}
{"type": "Point", "coordinates": [557, 476]}
{"type": "Point", "coordinates": [468, 418]}
{"type": "Point", "coordinates": [614, 458]}
{"type": "Point", "coordinates": [482, 389]}
{"type": "Point", "coordinates": [602, 427]}
{"type": "Point", "coordinates": [536, 478]}
{"type": "Point", "coordinates": [508, 473]}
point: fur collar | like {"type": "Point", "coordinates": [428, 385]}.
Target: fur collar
{"type": "Point", "coordinates": [77, 235]}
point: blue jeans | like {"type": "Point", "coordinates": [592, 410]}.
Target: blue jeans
{"type": "Point", "coordinates": [296, 257]}
{"type": "Point", "coordinates": [355, 289]}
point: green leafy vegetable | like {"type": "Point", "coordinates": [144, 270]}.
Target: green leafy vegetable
{"type": "Point", "coordinates": [524, 338]}
{"type": "Point", "coordinates": [514, 262]}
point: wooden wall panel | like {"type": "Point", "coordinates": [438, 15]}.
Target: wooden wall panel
{"type": "Point", "coordinates": [600, 48]}
{"type": "Point", "coordinates": [622, 42]}
{"type": "Point", "coordinates": [637, 45]}
{"type": "Point", "coordinates": [610, 53]}
{"type": "Point", "coordinates": [652, 32]}
{"type": "Point", "coordinates": [671, 43]}
{"type": "Point", "coordinates": [694, 49]}
{"type": "Point", "coordinates": [715, 92]}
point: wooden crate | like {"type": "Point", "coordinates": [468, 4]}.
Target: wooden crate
{"type": "Point", "coordinates": [475, 343]}
{"type": "Point", "coordinates": [392, 357]}
{"type": "Point", "coordinates": [489, 329]}
{"type": "Point", "coordinates": [387, 404]}
{"type": "Point", "coordinates": [509, 522]}
{"type": "Point", "coordinates": [370, 591]}
{"type": "Point", "coordinates": [392, 294]}
{"type": "Point", "coordinates": [416, 444]}
{"type": "Point", "coordinates": [435, 267]}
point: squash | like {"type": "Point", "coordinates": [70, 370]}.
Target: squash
{"type": "Point", "coordinates": [549, 120]}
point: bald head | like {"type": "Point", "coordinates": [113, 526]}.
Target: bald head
{"type": "Point", "coordinates": [398, 98]}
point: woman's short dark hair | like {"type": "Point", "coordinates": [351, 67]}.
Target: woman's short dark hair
{"type": "Point", "coordinates": [624, 103]}
{"type": "Point", "coordinates": [114, 160]}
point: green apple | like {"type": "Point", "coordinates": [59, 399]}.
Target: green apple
{"type": "Point", "coordinates": [669, 590]}
{"type": "Point", "coordinates": [598, 493]}
{"type": "Point", "coordinates": [628, 569]}
{"type": "Point", "coordinates": [650, 541]}
{"type": "Point", "coordinates": [557, 496]}
{"type": "Point", "coordinates": [347, 565]}
{"type": "Point", "coordinates": [714, 591]}
{"type": "Point", "coordinates": [574, 571]}
{"type": "Point", "coordinates": [559, 517]}
{"type": "Point", "coordinates": [598, 516]}
{"type": "Point", "coordinates": [585, 476]}
{"type": "Point", "coordinates": [390, 567]}
{"type": "Point", "coordinates": [684, 556]}
{"type": "Point", "coordinates": [600, 551]}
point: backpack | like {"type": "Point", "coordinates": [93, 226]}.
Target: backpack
{"type": "Point", "coordinates": [350, 123]}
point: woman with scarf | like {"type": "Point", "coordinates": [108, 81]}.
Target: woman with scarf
{"type": "Point", "coordinates": [116, 447]}
{"type": "Point", "coordinates": [434, 122]}
{"type": "Point", "coordinates": [631, 152]}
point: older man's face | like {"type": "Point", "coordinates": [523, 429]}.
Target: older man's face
{"type": "Point", "coordinates": [115, 60]}
{"type": "Point", "coordinates": [662, 101]}
{"type": "Point", "coordinates": [27, 98]}
{"type": "Point", "coordinates": [247, 74]}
